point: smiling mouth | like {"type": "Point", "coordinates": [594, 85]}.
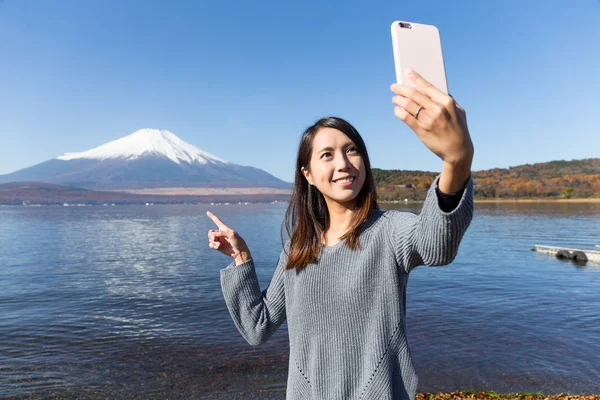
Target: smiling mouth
{"type": "Point", "coordinates": [345, 180]}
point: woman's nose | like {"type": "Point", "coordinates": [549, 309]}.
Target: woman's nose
{"type": "Point", "coordinates": [344, 163]}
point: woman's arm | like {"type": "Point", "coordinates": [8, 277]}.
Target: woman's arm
{"type": "Point", "coordinates": [433, 237]}
{"type": "Point", "coordinates": [257, 315]}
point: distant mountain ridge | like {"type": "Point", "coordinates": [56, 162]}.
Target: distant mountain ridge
{"type": "Point", "coordinates": [566, 179]}
{"type": "Point", "coordinates": [178, 168]}
{"type": "Point", "coordinates": [147, 158]}
{"type": "Point", "coordinates": [553, 179]}
{"type": "Point", "coordinates": [551, 169]}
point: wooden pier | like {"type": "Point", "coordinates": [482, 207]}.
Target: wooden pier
{"type": "Point", "coordinates": [592, 256]}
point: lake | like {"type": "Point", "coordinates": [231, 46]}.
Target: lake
{"type": "Point", "coordinates": [125, 302]}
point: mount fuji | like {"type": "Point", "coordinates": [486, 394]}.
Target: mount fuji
{"type": "Point", "coordinates": [145, 159]}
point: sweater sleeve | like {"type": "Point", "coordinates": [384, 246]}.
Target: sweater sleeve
{"type": "Point", "coordinates": [256, 314]}
{"type": "Point", "coordinates": [432, 237]}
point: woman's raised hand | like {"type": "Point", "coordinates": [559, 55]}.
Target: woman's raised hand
{"type": "Point", "coordinates": [436, 118]}
{"type": "Point", "coordinates": [226, 240]}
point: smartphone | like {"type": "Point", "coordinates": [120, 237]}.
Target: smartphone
{"type": "Point", "coordinates": [419, 47]}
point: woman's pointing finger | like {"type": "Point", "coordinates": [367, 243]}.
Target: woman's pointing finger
{"type": "Point", "coordinates": [216, 220]}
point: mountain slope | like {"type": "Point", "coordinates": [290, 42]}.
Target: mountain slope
{"type": "Point", "coordinates": [148, 158]}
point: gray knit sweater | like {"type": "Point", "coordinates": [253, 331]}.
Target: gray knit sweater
{"type": "Point", "coordinates": [346, 313]}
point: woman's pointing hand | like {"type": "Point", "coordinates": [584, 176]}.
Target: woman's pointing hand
{"type": "Point", "coordinates": [226, 240]}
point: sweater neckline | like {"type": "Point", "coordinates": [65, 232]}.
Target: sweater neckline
{"type": "Point", "coordinates": [363, 228]}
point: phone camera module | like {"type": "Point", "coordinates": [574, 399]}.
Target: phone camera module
{"type": "Point", "coordinates": [405, 25]}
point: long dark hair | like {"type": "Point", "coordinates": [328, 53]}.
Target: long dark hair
{"type": "Point", "coordinates": [307, 216]}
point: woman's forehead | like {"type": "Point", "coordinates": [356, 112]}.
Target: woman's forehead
{"type": "Point", "coordinates": [330, 137]}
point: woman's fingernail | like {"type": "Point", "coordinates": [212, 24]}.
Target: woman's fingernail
{"type": "Point", "coordinates": [409, 72]}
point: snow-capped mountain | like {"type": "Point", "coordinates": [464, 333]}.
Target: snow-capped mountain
{"type": "Point", "coordinates": [146, 142]}
{"type": "Point", "coordinates": [147, 158]}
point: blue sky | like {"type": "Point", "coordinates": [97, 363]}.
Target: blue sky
{"type": "Point", "coordinates": [242, 80]}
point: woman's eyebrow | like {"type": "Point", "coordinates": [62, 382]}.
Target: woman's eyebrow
{"type": "Point", "coordinates": [329, 148]}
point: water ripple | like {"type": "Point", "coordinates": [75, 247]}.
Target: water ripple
{"type": "Point", "coordinates": [118, 301]}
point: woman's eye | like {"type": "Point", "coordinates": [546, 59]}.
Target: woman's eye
{"type": "Point", "coordinates": [353, 150]}
{"type": "Point", "coordinates": [325, 155]}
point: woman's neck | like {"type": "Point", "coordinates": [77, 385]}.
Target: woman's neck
{"type": "Point", "coordinates": [340, 220]}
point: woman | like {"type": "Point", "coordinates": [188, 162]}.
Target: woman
{"type": "Point", "coordinates": [341, 279]}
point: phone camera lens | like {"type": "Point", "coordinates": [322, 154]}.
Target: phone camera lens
{"type": "Point", "coordinates": [404, 25]}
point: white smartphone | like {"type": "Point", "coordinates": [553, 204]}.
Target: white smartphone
{"type": "Point", "coordinates": [419, 47]}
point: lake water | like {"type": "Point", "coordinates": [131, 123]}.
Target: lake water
{"type": "Point", "coordinates": [125, 302]}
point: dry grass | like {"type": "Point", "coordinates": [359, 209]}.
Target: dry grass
{"type": "Point", "coordinates": [589, 200]}
{"type": "Point", "coordinates": [475, 395]}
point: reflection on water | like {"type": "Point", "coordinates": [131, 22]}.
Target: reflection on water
{"type": "Point", "coordinates": [112, 302]}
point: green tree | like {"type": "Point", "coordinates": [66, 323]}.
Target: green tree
{"type": "Point", "coordinates": [568, 192]}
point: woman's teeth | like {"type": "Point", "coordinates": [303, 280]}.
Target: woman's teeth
{"type": "Point", "coordinates": [345, 180]}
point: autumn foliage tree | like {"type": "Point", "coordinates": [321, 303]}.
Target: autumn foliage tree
{"type": "Point", "coordinates": [555, 179]}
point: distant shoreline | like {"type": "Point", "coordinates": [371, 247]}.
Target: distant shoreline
{"type": "Point", "coordinates": [191, 191]}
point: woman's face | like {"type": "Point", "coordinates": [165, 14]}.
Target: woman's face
{"type": "Point", "coordinates": [335, 157]}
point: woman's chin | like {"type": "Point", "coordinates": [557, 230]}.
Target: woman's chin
{"type": "Point", "coordinates": [343, 200]}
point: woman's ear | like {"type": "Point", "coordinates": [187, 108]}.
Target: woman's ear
{"type": "Point", "coordinates": [306, 175]}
